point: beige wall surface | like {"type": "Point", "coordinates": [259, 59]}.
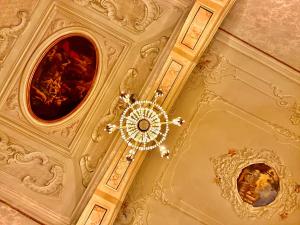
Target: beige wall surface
{"type": "Point", "coordinates": [11, 216]}
{"type": "Point", "coordinates": [270, 25]}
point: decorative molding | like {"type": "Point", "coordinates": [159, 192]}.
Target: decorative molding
{"type": "Point", "coordinates": [59, 24]}
{"type": "Point", "coordinates": [295, 117]}
{"type": "Point", "coordinates": [134, 209]}
{"type": "Point", "coordinates": [9, 34]}
{"type": "Point", "coordinates": [52, 186]}
{"type": "Point", "coordinates": [197, 26]}
{"type": "Point", "coordinates": [12, 103]}
{"type": "Point", "coordinates": [96, 216]}
{"type": "Point", "coordinates": [132, 212]}
{"type": "Point", "coordinates": [112, 54]}
{"type": "Point", "coordinates": [131, 83]}
{"type": "Point", "coordinates": [111, 8]}
{"type": "Point", "coordinates": [11, 154]}
{"type": "Point", "coordinates": [66, 131]}
{"type": "Point", "coordinates": [283, 131]}
{"type": "Point", "coordinates": [117, 175]}
{"type": "Point", "coordinates": [228, 168]}
{"type": "Point", "coordinates": [88, 162]}
{"type": "Point", "coordinates": [116, 106]}
{"type": "Point", "coordinates": [214, 68]}
{"type": "Point", "coordinates": [151, 13]}
{"type": "Point", "coordinates": [113, 51]}
{"type": "Point", "coordinates": [153, 48]}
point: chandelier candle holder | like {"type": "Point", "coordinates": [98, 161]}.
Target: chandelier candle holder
{"type": "Point", "coordinates": [144, 125]}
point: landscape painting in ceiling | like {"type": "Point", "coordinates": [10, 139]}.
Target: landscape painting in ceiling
{"type": "Point", "coordinates": [258, 184]}
{"type": "Point", "coordinates": [63, 77]}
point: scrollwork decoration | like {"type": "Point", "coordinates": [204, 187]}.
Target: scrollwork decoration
{"type": "Point", "coordinates": [15, 154]}
{"type": "Point", "coordinates": [227, 169]}
{"type": "Point", "coordinates": [214, 68]}
{"type": "Point", "coordinates": [111, 8]}
{"type": "Point", "coordinates": [131, 83]}
{"type": "Point", "coordinates": [9, 34]}
{"type": "Point", "coordinates": [295, 117]}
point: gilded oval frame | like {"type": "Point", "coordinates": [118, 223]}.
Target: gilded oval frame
{"type": "Point", "coordinates": [36, 58]}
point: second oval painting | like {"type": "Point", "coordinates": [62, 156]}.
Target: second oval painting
{"type": "Point", "coordinates": [63, 78]}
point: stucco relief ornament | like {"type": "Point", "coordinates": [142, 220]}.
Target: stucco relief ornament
{"type": "Point", "coordinates": [144, 125]}
{"type": "Point", "coordinates": [256, 183]}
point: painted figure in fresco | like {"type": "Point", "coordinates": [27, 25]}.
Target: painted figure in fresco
{"type": "Point", "coordinates": [63, 78]}
{"type": "Point", "coordinates": [258, 185]}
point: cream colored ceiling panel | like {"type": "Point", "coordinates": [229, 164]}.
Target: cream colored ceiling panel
{"type": "Point", "coordinates": [236, 110]}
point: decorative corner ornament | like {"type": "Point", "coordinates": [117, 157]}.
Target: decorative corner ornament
{"type": "Point", "coordinates": [249, 192]}
{"type": "Point", "coordinates": [144, 125]}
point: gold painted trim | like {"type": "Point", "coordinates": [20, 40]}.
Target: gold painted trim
{"type": "Point", "coordinates": [38, 61]}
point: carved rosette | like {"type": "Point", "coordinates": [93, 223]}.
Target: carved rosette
{"type": "Point", "coordinates": [13, 154]}
{"type": "Point", "coordinates": [228, 168]}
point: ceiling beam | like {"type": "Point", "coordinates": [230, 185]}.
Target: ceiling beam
{"type": "Point", "coordinates": [199, 28]}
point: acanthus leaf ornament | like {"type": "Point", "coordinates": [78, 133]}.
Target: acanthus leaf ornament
{"type": "Point", "coordinates": [144, 125]}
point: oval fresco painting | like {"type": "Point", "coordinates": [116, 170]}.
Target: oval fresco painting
{"type": "Point", "coordinates": [63, 78]}
{"type": "Point", "coordinates": [258, 184]}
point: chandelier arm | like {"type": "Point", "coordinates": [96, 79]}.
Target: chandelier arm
{"type": "Point", "coordinates": [163, 123]}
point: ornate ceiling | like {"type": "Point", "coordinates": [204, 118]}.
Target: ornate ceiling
{"type": "Point", "coordinates": [238, 104]}
{"type": "Point", "coordinates": [234, 118]}
{"type": "Point", "coordinates": [47, 164]}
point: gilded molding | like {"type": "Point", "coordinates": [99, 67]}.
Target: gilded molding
{"type": "Point", "coordinates": [52, 186]}
{"type": "Point", "coordinates": [283, 131]}
{"type": "Point", "coordinates": [151, 12]}
{"type": "Point", "coordinates": [117, 175]}
{"type": "Point", "coordinates": [66, 132]}
{"type": "Point", "coordinates": [9, 34]}
{"type": "Point", "coordinates": [153, 48]}
{"type": "Point", "coordinates": [11, 154]}
{"type": "Point", "coordinates": [295, 117]}
{"type": "Point", "coordinates": [88, 162]}
{"type": "Point", "coordinates": [131, 83]}
{"type": "Point", "coordinates": [228, 167]}
{"type": "Point", "coordinates": [116, 106]}
{"type": "Point", "coordinates": [215, 68]}
{"type": "Point", "coordinates": [12, 103]}
{"type": "Point", "coordinates": [59, 24]}
{"type": "Point", "coordinates": [96, 215]}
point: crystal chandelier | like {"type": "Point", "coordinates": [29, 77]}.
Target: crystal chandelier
{"type": "Point", "coordinates": [144, 125]}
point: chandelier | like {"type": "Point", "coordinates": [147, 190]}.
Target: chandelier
{"type": "Point", "coordinates": [144, 125]}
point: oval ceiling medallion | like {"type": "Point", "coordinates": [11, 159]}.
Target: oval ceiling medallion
{"type": "Point", "coordinates": [63, 77]}
{"type": "Point", "coordinates": [258, 184]}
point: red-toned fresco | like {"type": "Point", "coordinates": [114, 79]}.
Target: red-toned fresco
{"type": "Point", "coordinates": [63, 78]}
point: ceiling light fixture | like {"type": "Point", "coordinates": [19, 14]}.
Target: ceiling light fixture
{"type": "Point", "coordinates": [144, 125]}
